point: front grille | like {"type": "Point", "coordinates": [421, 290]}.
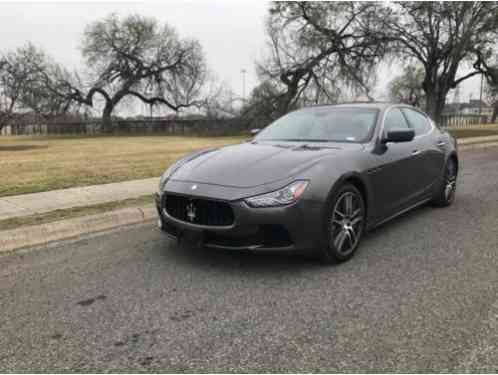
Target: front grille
{"type": "Point", "coordinates": [198, 211]}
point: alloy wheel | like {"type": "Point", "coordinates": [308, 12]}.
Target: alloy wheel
{"type": "Point", "coordinates": [347, 223]}
{"type": "Point", "coordinates": [450, 181]}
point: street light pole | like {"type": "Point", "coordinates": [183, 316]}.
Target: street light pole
{"type": "Point", "coordinates": [243, 71]}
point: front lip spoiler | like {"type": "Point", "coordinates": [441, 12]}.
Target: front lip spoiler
{"type": "Point", "coordinates": [210, 245]}
{"type": "Point", "coordinates": [254, 248]}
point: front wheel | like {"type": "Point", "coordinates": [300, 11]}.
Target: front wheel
{"type": "Point", "coordinates": [446, 193]}
{"type": "Point", "coordinates": [345, 224]}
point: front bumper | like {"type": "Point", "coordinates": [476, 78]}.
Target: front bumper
{"type": "Point", "coordinates": [296, 227]}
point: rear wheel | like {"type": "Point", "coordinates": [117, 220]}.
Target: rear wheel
{"type": "Point", "coordinates": [345, 223]}
{"type": "Point", "coordinates": [446, 193]}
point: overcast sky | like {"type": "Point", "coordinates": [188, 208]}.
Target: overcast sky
{"type": "Point", "coordinates": [231, 32]}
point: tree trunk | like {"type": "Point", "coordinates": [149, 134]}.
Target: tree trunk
{"type": "Point", "coordinates": [284, 104]}
{"type": "Point", "coordinates": [434, 105]}
{"type": "Point", "coordinates": [495, 112]}
{"type": "Point", "coordinates": [107, 126]}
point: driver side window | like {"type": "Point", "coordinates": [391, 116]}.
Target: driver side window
{"type": "Point", "coordinates": [394, 120]}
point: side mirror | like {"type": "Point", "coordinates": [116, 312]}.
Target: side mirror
{"type": "Point", "coordinates": [399, 135]}
{"type": "Point", "coordinates": [255, 131]}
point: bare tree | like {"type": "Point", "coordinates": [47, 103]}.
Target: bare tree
{"type": "Point", "coordinates": [135, 57]}
{"type": "Point", "coordinates": [22, 89]}
{"type": "Point", "coordinates": [316, 48]}
{"type": "Point", "coordinates": [10, 90]}
{"type": "Point", "coordinates": [444, 38]}
{"type": "Point", "coordinates": [407, 87]}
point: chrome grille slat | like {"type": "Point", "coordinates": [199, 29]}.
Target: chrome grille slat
{"type": "Point", "coordinates": [207, 212]}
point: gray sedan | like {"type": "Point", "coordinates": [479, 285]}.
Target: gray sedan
{"type": "Point", "coordinates": [314, 180]}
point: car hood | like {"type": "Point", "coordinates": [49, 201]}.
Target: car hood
{"type": "Point", "coordinates": [252, 164]}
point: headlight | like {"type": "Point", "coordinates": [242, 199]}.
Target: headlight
{"type": "Point", "coordinates": [286, 195]}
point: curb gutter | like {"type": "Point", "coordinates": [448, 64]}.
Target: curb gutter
{"type": "Point", "coordinates": [43, 234]}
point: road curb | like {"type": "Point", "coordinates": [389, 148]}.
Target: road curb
{"type": "Point", "coordinates": [44, 234]}
{"type": "Point", "coordinates": [475, 146]}
{"type": "Point", "coordinates": [477, 140]}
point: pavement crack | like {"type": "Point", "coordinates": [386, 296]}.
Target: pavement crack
{"type": "Point", "coordinates": [89, 301]}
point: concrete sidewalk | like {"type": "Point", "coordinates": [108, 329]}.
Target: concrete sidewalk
{"type": "Point", "coordinates": [29, 204]}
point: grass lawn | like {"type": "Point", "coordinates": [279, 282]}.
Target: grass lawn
{"type": "Point", "coordinates": [478, 131]}
{"type": "Point", "coordinates": [34, 164]}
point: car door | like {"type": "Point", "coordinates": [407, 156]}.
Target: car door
{"type": "Point", "coordinates": [428, 153]}
{"type": "Point", "coordinates": [390, 174]}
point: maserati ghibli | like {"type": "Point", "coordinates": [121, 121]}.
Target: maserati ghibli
{"type": "Point", "coordinates": [315, 180]}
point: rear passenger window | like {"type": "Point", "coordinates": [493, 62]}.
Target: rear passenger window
{"type": "Point", "coordinates": [394, 120]}
{"type": "Point", "coordinates": [418, 121]}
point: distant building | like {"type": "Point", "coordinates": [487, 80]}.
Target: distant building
{"type": "Point", "coordinates": [470, 108]}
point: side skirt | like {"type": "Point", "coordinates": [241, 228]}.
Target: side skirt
{"type": "Point", "coordinates": [383, 221]}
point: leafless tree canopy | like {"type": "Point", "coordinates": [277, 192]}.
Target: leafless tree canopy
{"type": "Point", "coordinates": [130, 57]}
{"type": "Point", "coordinates": [443, 37]}
{"type": "Point", "coordinates": [23, 74]}
{"type": "Point", "coordinates": [316, 52]}
{"type": "Point", "coordinates": [137, 57]}
{"type": "Point", "coordinates": [318, 48]}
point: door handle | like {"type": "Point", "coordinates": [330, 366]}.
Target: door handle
{"type": "Point", "coordinates": [415, 152]}
{"type": "Point", "coordinates": [441, 143]}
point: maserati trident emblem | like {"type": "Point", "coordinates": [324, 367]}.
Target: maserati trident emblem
{"type": "Point", "coordinates": [193, 187]}
{"type": "Point", "coordinates": [191, 214]}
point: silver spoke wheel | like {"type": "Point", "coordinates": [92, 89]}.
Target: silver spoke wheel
{"type": "Point", "coordinates": [450, 182]}
{"type": "Point", "coordinates": [347, 222]}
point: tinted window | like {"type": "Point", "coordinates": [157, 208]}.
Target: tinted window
{"type": "Point", "coordinates": [394, 119]}
{"type": "Point", "coordinates": [418, 121]}
{"type": "Point", "coordinates": [322, 124]}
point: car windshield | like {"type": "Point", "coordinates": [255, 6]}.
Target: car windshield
{"type": "Point", "coordinates": [322, 124]}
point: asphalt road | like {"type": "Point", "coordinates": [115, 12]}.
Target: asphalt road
{"type": "Point", "coordinates": [421, 294]}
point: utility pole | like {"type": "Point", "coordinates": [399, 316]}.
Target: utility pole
{"type": "Point", "coordinates": [243, 71]}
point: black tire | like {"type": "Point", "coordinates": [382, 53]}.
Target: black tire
{"type": "Point", "coordinates": [344, 224]}
{"type": "Point", "coordinates": [446, 192]}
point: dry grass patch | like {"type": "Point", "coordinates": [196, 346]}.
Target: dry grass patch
{"type": "Point", "coordinates": [477, 131]}
{"type": "Point", "coordinates": [34, 164]}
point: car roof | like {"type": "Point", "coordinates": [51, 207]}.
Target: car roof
{"type": "Point", "coordinates": [375, 105]}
